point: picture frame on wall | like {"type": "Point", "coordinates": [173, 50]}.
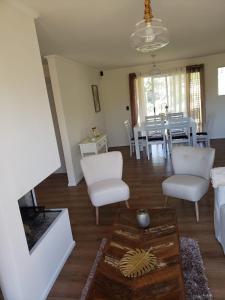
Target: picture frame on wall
{"type": "Point", "coordinates": [96, 98]}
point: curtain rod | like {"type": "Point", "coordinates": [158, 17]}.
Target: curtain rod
{"type": "Point", "coordinates": [163, 72]}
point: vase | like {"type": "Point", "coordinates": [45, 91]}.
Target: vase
{"type": "Point", "coordinates": [143, 218]}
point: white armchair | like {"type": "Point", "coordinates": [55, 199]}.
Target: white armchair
{"type": "Point", "coordinates": [103, 175]}
{"type": "Point", "coordinates": [192, 172]}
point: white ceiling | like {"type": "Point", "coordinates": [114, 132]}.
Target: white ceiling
{"type": "Point", "coordinates": [96, 32]}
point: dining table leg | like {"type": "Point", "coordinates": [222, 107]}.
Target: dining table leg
{"type": "Point", "coordinates": [137, 148]}
{"type": "Point", "coordinates": [194, 129]}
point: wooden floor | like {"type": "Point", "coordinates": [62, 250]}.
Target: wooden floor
{"type": "Point", "coordinates": [144, 178]}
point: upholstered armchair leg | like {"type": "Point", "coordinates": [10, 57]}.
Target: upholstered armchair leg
{"type": "Point", "coordinates": [170, 146]}
{"type": "Point", "coordinates": [97, 215]}
{"type": "Point", "coordinates": [197, 211]}
{"type": "Point", "coordinates": [166, 201]}
{"type": "Point", "coordinates": [127, 204]}
{"type": "Point", "coordinates": [147, 150]}
{"type": "Point", "coordinates": [164, 150]}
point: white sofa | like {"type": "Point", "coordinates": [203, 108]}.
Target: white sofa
{"type": "Point", "coordinates": [219, 215]}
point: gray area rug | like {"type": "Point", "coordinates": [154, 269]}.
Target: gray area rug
{"type": "Point", "coordinates": [195, 281]}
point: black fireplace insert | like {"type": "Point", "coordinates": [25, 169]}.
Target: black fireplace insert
{"type": "Point", "coordinates": [36, 219]}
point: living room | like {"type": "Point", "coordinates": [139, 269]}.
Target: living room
{"type": "Point", "coordinates": [84, 46]}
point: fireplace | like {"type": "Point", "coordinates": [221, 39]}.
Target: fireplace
{"type": "Point", "coordinates": [32, 238]}
{"type": "Point", "coordinates": [36, 219]}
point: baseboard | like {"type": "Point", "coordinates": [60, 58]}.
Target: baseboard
{"type": "Point", "coordinates": [216, 138]}
{"type": "Point", "coordinates": [58, 270]}
{"type": "Point", "coordinates": [76, 181]}
{"type": "Point", "coordinates": [119, 146]}
{"type": "Point", "coordinates": [72, 182]}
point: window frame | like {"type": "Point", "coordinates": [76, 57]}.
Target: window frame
{"type": "Point", "coordinates": [220, 91]}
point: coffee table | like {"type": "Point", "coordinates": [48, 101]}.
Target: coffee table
{"type": "Point", "coordinates": [165, 282]}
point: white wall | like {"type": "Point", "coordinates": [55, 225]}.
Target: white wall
{"type": "Point", "coordinates": [28, 152]}
{"type": "Point", "coordinates": [115, 93]}
{"type": "Point", "coordinates": [71, 83]}
{"type": "Point", "coordinates": [62, 168]}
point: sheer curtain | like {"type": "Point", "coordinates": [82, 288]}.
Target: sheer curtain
{"type": "Point", "coordinates": [141, 99]}
{"type": "Point", "coordinates": [155, 92]}
{"type": "Point", "coordinates": [177, 98]}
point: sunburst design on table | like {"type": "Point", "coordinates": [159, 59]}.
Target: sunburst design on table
{"type": "Point", "coordinates": [137, 262]}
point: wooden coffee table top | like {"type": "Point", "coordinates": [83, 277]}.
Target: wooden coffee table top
{"type": "Point", "coordinates": [165, 282]}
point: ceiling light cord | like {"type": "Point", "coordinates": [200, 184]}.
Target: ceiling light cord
{"type": "Point", "coordinates": [148, 15]}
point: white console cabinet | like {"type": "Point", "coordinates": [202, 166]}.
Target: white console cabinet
{"type": "Point", "coordinates": [93, 145]}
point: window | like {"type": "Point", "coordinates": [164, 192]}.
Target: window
{"type": "Point", "coordinates": [221, 81]}
{"type": "Point", "coordinates": [157, 92]}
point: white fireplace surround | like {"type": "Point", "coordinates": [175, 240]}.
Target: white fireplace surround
{"type": "Point", "coordinates": [49, 255]}
{"type": "Point", "coordinates": [38, 269]}
{"type": "Point", "coordinates": [52, 250]}
{"type": "Point", "coordinates": [28, 155]}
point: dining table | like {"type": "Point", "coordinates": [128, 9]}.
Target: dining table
{"type": "Point", "coordinates": [140, 129]}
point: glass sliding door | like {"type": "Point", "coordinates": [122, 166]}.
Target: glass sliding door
{"type": "Point", "coordinates": [156, 92]}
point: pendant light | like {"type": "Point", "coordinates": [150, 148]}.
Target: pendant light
{"type": "Point", "coordinates": [155, 71]}
{"type": "Point", "coordinates": [149, 34]}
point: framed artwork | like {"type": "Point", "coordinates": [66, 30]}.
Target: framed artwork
{"type": "Point", "coordinates": [96, 98]}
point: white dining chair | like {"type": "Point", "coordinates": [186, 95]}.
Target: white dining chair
{"type": "Point", "coordinates": [179, 132]}
{"type": "Point", "coordinates": [130, 135]}
{"type": "Point", "coordinates": [190, 181]}
{"type": "Point", "coordinates": [203, 136]}
{"type": "Point", "coordinates": [155, 135]}
{"type": "Point", "coordinates": [155, 118]}
{"type": "Point", "coordinates": [176, 116]}
{"type": "Point", "coordinates": [103, 175]}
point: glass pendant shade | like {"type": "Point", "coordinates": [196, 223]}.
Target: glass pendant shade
{"type": "Point", "coordinates": [155, 71]}
{"type": "Point", "coordinates": [149, 36]}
